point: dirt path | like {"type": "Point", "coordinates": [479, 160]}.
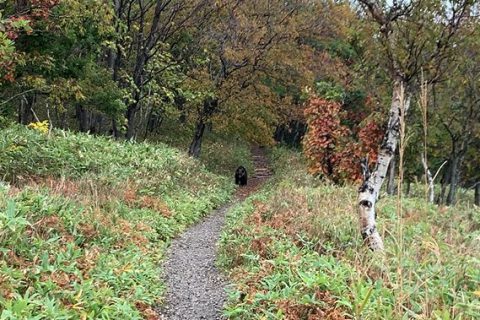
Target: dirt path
{"type": "Point", "coordinates": [196, 289]}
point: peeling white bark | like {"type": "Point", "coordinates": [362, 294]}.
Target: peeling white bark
{"type": "Point", "coordinates": [370, 188]}
{"type": "Point", "coordinates": [428, 174]}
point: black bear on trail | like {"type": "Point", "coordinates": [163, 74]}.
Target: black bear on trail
{"type": "Point", "coordinates": [241, 176]}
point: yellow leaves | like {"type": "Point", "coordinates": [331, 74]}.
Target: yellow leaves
{"type": "Point", "coordinates": [476, 293]}
{"type": "Point", "coordinates": [40, 126]}
{"type": "Point", "coordinates": [13, 148]}
{"type": "Point", "coordinates": [108, 44]}
{"type": "Point", "coordinates": [63, 90]}
{"type": "Point", "coordinates": [78, 295]}
{"type": "Point", "coordinates": [35, 81]}
{"type": "Point", "coordinates": [79, 95]}
{"type": "Point", "coordinates": [124, 269]}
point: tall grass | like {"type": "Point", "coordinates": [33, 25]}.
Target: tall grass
{"type": "Point", "coordinates": [400, 239]}
{"type": "Point", "coordinates": [84, 222]}
{"type": "Point", "coordinates": [293, 252]}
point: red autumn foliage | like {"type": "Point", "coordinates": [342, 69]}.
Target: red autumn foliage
{"type": "Point", "coordinates": [370, 136]}
{"type": "Point", "coordinates": [40, 9]}
{"type": "Point", "coordinates": [333, 149]}
{"type": "Point", "coordinates": [324, 135]}
{"type": "Point", "coordinates": [37, 10]}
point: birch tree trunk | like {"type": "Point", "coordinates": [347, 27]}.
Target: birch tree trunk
{"type": "Point", "coordinates": [391, 177]}
{"type": "Point", "coordinates": [429, 179]}
{"type": "Point", "coordinates": [370, 188]}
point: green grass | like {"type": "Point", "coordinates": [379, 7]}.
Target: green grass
{"type": "Point", "coordinates": [84, 222]}
{"type": "Point", "coordinates": [293, 251]}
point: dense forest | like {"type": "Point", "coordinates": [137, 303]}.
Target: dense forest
{"type": "Point", "coordinates": [100, 99]}
{"type": "Point", "coordinates": [258, 69]}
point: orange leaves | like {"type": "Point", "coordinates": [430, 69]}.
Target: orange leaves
{"type": "Point", "coordinates": [370, 136]}
{"type": "Point", "coordinates": [294, 310]}
{"type": "Point", "coordinates": [334, 149]}
{"type": "Point", "coordinates": [147, 311]}
{"type": "Point", "coordinates": [324, 135]}
{"type": "Point", "coordinates": [131, 197]}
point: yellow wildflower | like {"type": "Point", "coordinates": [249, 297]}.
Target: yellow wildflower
{"type": "Point", "coordinates": [40, 126]}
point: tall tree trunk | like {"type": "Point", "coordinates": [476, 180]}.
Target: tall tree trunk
{"type": "Point", "coordinates": [95, 123]}
{"type": "Point", "coordinates": [444, 182]}
{"type": "Point", "coordinates": [154, 121]}
{"type": "Point", "coordinates": [25, 113]}
{"type": "Point", "coordinates": [131, 113]}
{"type": "Point", "coordinates": [407, 188]}
{"type": "Point", "coordinates": [196, 145]}
{"type": "Point", "coordinates": [138, 80]}
{"type": "Point", "coordinates": [20, 111]}
{"type": "Point", "coordinates": [114, 129]}
{"type": "Point", "coordinates": [279, 133]}
{"type": "Point", "coordinates": [369, 190]}
{"type": "Point", "coordinates": [210, 107]}
{"type": "Point", "coordinates": [477, 194]}
{"type": "Point", "coordinates": [180, 104]}
{"type": "Point", "coordinates": [82, 118]}
{"type": "Point", "coordinates": [454, 177]}
{"type": "Point", "coordinates": [299, 133]}
{"type": "Point", "coordinates": [61, 117]}
{"type": "Point", "coordinates": [150, 123]}
{"type": "Point", "coordinates": [391, 177]}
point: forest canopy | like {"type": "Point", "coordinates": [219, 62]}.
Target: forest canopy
{"type": "Point", "coordinates": [264, 71]}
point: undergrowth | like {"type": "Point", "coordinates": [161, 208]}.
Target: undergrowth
{"type": "Point", "coordinates": [293, 251]}
{"type": "Point", "coordinates": [84, 222]}
{"type": "Point", "coordinates": [220, 153]}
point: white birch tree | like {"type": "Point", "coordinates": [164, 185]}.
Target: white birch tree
{"type": "Point", "coordinates": [414, 35]}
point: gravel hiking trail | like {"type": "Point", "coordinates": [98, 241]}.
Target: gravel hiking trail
{"type": "Point", "coordinates": [196, 289]}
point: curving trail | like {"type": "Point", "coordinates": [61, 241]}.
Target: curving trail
{"type": "Point", "coordinates": [196, 289]}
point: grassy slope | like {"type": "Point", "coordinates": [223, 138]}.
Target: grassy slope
{"type": "Point", "coordinates": [294, 252]}
{"type": "Point", "coordinates": [84, 222]}
{"type": "Point", "coordinates": [220, 153]}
